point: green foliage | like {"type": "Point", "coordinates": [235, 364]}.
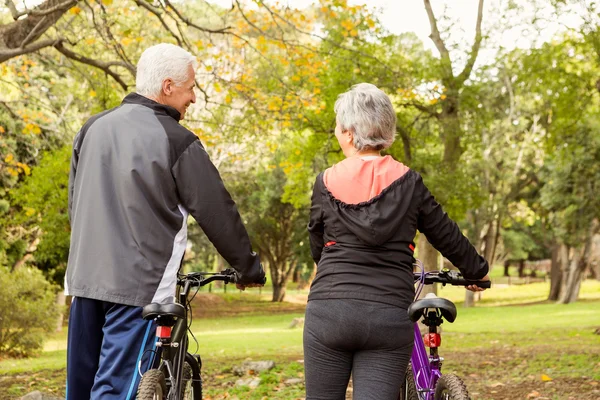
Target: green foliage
{"type": "Point", "coordinates": [27, 311]}
{"type": "Point", "coordinates": [42, 202]}
{"type": "Point", "coordinates": [572, 178]}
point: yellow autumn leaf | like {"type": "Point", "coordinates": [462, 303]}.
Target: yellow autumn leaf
{"type": "Point", "coordinates": [92, 93]}
{"type": "Point", "coordinates": [26, 169]}
{"type": "Point", "coordinates": [75, 10]}
{"type": "Point", "coordinates": [228, 99]}
{"type": "Point", "coordinates": [9, 158]}
{"type": "Point", "coordinates": [126, 41]}
{"type": "Point", "coordinates": [107, 2]}
{"type": "Point", "coordinates": [2, 129]}
{"type": "Point", "coordinates": [354, 33]}
{"type": "Point", "coordinates": [546, 378]}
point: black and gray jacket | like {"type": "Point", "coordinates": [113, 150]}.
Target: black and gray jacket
{"type": "Point", "coordinates": [136, 174]}
{"type": "Point", "coordinates": [365, 251]}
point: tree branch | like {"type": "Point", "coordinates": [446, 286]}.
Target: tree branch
{"type": "Point", "coordinates": [40, 10]}
{"type": "Point", "coordinates": [188, 22]}
{"type": "Point", "coordinates": [436, 37]}
{"type": "Point", "coordinates": [156, 12]}
{"type": "Point", "coordinates": [102, 65]}
{"type": "Point", "coordinates": [464, 75]}
{"type": "Point", "coordinates": [16, 36]}
{"type": "Point", "coordinates": [7, 54]}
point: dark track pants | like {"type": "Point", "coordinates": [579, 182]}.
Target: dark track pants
{"type": "Point", "coordinates": [372, 341]}
{"type": "Point", "coordinates": [106, 343]}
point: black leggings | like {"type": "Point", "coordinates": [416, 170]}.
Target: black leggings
{"type": "Point", "coordinates": [373, 341]}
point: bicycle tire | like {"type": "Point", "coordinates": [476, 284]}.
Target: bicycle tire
{"type": "Point", "coordinates": [408, 391]}
{"type": "Point", "coordinates": [152, 386]}
{"type": "Point", "coordinates": [192, 388]}
{"type": "Point", "coordinates": [451, 387]}
{"type": "Point", "coordinates": [192, 381]}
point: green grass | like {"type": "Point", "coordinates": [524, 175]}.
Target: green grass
{"type": "Point", "coordinates": [502, 294]}
{"type": "Point", "coordinates": [503, 339]}
{"type": "Point", "coordinates": [239, 337]}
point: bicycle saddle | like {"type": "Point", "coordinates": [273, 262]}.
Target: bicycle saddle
{"type": "Point", "coordinates": [155, 310]}
{"type": "Point", "coordinates": [417, 309]}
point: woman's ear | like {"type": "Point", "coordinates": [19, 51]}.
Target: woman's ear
{"type": "Point", "coordinates": [348, 136]}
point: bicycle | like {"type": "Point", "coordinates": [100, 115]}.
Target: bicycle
{"type": "Point", "coordinates": [424, 378]}
{"type": "Point", "coordinates": [174, 373]}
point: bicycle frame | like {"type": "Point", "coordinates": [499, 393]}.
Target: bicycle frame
{"type": "Point", "coordinates": [426, 370]}
{"type": "Point", "coordinates": [426, 367]}
{"type": "Point", "coordinates": [173, 355]}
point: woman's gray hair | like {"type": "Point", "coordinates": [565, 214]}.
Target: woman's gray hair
{"type": "Point", "coordinates": [160, 62]}
{"type": "Point", "coordinates": [368, 113]}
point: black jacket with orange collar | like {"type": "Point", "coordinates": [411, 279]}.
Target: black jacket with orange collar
{"type": "Point", "coordinates": [366, 250]}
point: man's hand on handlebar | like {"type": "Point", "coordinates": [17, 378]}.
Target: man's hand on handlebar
{"type": "Point", "coordinates": [475, 288]}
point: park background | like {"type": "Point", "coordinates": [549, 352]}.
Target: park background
{"type": "Point", "coordinates": [498, 109]}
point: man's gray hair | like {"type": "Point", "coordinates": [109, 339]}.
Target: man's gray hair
{"type": "Point", "coordinates": [368, 113]}
{"type": "Point", "coordinates": [160, 62]}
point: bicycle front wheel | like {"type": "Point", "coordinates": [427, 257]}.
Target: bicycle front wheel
{"type": "Point", "coordinates": [192, 382]}
{"type": "Point", "coordinates": [408, 391]}
{"type": "Point", "coordinates": [451, 387]}
{"type": "Point", "coordinates": [152, 386]}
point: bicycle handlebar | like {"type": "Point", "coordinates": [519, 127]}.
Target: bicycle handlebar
{"type": "Point", "coordinates": [449, 277]}
{"type": "Point", "coordinates": [204, 278]}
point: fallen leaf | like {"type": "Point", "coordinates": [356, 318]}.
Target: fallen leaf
{"type": "Point", "coordinates": [546, 378]}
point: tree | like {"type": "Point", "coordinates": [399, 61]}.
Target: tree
{"type": "Point", "coordinates": [23, 35]}
{"type": "Point", "coordinates": [277, 228]}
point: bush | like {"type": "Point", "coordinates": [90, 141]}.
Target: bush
{"type": "Point", "coordinates": [28, 311]}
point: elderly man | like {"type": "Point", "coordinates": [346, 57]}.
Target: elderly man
{"type": "Point", "coordinates": [136, 173]}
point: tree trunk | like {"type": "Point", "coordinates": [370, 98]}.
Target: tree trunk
{"type": "Point", "coordinates": [521, 268]}
{"type": "Point", "coordinates": [506, 268]}
{"type": "Point", "coordinates": [429, 257]}
{"type": "Point", "coordinates": [574, 275]}
{"type": "Point", "coordinates": [576, 268]}
{"type": "Point", "coordinates": [278, 292]}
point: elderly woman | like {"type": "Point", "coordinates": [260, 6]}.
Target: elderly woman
{"type": "Point", "coordinates": [364, 216]}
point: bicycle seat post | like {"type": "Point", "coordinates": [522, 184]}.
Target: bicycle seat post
{"type": "Point", "coordinates": [433, 340]}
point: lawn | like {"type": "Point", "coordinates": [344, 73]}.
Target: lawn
{"type": "Point", "coordinates": [513, 345]}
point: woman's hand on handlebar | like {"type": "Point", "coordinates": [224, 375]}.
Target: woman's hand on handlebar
{"type": "Point", "coordinates": [475, 288]}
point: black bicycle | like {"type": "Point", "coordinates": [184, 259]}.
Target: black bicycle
{"type": "Point", "coordinates": [174, 373]}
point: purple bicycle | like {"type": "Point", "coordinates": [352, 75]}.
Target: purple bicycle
{"type": "Point", "coordinates": [424, 379]}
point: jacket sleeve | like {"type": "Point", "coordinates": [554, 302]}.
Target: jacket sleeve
{"type": "Point", "coordinates": [72, 173]}
{"type": "Point", "coordinates": [203, 194]}
{"type": "Point", "coordinates": [445, 235]}
{"type": "Point", "coordinates": [315, 223]}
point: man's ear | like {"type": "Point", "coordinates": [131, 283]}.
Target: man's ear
{"type": "Point", "coordinates": [167, 86]}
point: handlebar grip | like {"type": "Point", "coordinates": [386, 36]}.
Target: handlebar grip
{"type": "Point", "coordinates": [481, 284]}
